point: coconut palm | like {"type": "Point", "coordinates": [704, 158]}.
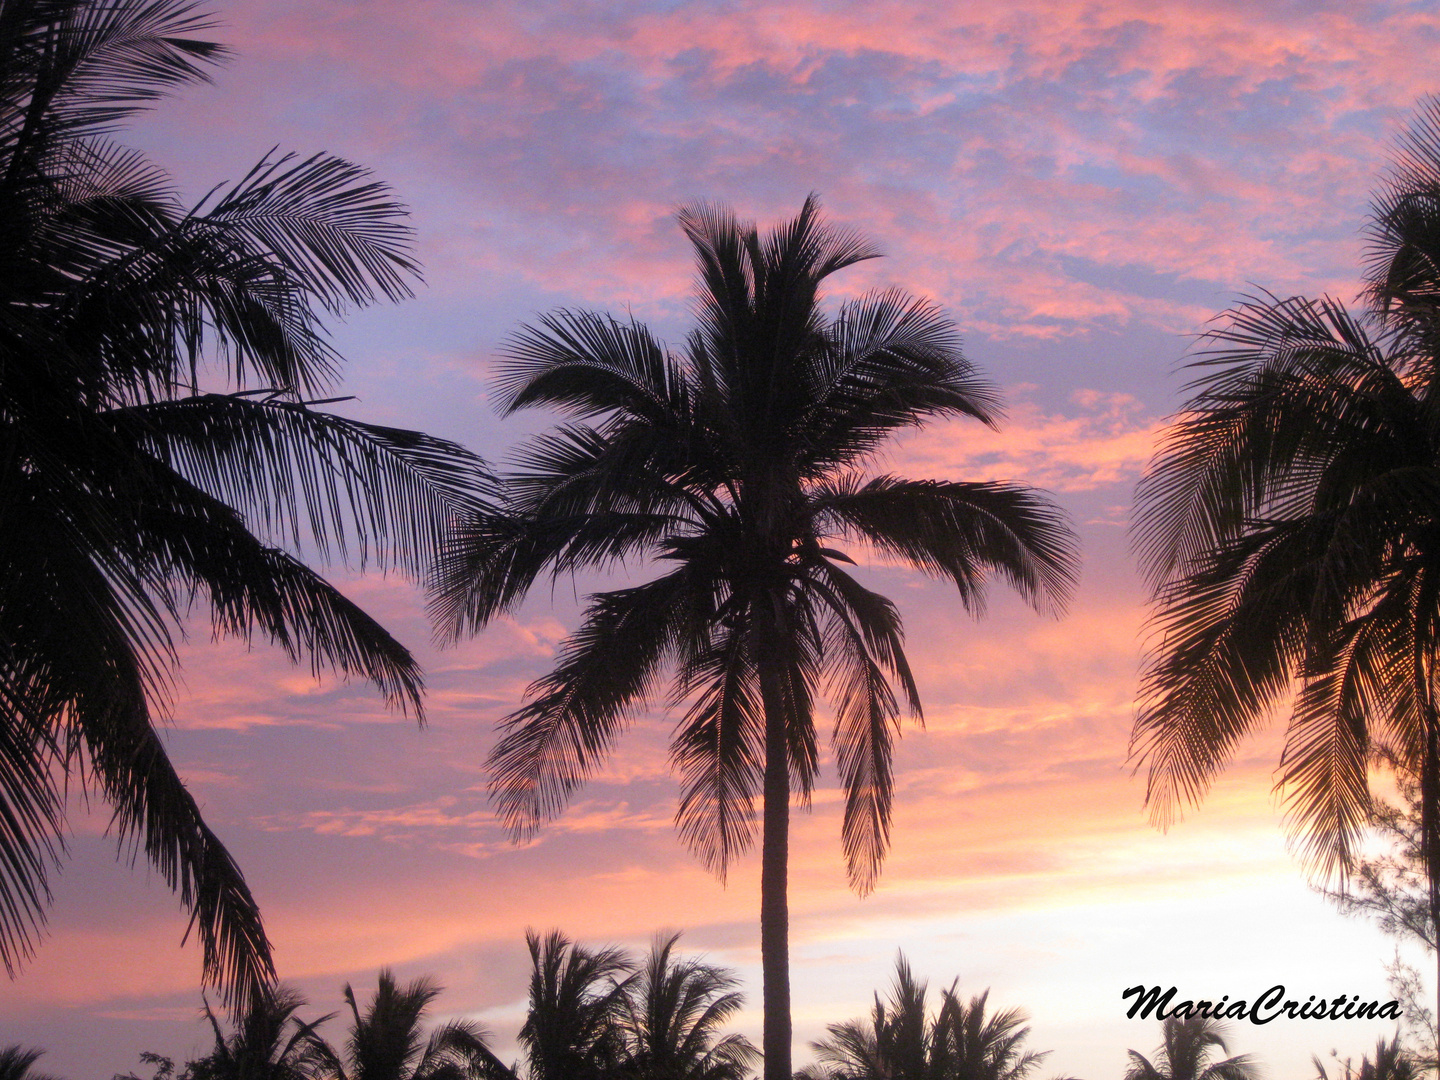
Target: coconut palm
{"type": "Point", "coordinates": [1185, 1053]}
{"type": "Point", "coordinates": [1288, 525]}
{"type": "Point", "coordinates": [388, 1041]}
{"type": "Point", "coordinates": [896, 1044]}
{"type": "Point", "coordinates": [268, 1043]}
{"type": "Point", "coordinates": [577, 999]}
{"type": "Point", "coordinates": [16, 1062]}
{"type": "Point", "coordinates": [670, 1017]}
{"type": "Point", "coordinates": [160, 447]}
{"type": "Point", "coordinates": [902, 1042]}
{"type": "Point", "coordinates": [737, 466]}
{"type": "Point", "coordinates": [981, 1047]}
{"type": "Point", "coordinates": [1391, 1062]}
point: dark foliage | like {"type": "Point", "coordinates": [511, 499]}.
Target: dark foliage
{"type": "Point", "coordinates": [903, 1042]}
{"type": "Point", "coordinates": [735, 468]}
{"type": "Point", "coordinates": [1288, 524]}
{"type": "Point", "coordinates": [388, 1041]}
{"type": "Point", "coordinates": [130, 492]}
{"type": "Point", "coordinates": [1185, 1053]}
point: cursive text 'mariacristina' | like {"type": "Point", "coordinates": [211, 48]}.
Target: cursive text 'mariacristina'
{"type": "Point", "coordinates": [1271, 1005]}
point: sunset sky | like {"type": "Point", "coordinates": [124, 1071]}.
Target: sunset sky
{"type": "Point", "coordinates": [1082, 186]}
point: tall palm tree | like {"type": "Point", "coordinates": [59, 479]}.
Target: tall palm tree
{"type": "Point", "coordinates": [670, 1019]}
{"type": "Point", "coordinates": [902, 1042]}
{"type": "Point", "coordinates": [160, 446]}
{"type": "Point", "coordinates": [737, 466]}
{"type": "Point", "coordinates": [268, 1043]}
{"type": "Point", "coordinates": [1185, 1052]}
{"type": "Point", "coordinates": [572, 1029]}
{"type": "Point", "coordinates": [1288, 525]}
{"type": "Point", "coordinates": [388, 1041]}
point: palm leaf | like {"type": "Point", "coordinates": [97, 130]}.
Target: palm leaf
{"type": "Point", "coordinates": [300, 474]}
{"type": "Point", "coordinates": [605, 670]}
{"type": "Point", "coordinates": [718, 749]}
{"type": "Point", "coordinates": [959, 530]}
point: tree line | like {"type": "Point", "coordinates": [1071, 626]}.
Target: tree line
{"type": "Point", "coordinates": [601, 1014]}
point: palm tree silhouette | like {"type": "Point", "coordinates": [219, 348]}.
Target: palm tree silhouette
{"type": "Point", "coordinates": [737, 467]}
{"type": "Point", "coordinates": [1288, 525]}
{"type": "Point", "coordinates": [1184, 1054]}
{"type": "Point", "coordinates": [670, 1017]}
{"type": "Point", "coordinates": [268, 1043]}
{"type": "Point", "coordinates": [901, 1042]}
{"type": "Point", "coordinates": [129, 491]}
{"type": "Point", "coordinates": [388, 1041]}
{"type": "Point", "coordinates": [16, 1062]}
{"type": "Point", "coordinates": [1391, 1062]}
{"type": "Point", "coordinates": [577, 999]}
{"type": "Point", "coordinates": [594, 1014]}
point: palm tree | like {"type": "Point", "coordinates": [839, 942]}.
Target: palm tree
{"type": "Point", "coordinates": [1184, 1054]}
{"type": "Point", "coordinates": [985, 1048]}
{"type": "Point", "coordinates": [1288, 526]}
{"type": "Point", "coordinates": [160, 446]}
{"type": "Point", "coordinates": [594, 1014]}
{"type": "Point", "coordinates": [1391, 1062]}
{"type": "Point", "coordinates": [897, 1044]}
{"type": "Point", "coordinates": [388, 1042]}
{"type": "Point", "coordinates": [16, 1062]}
{"type": "Point", "coordinates": [737, 467]}
{"type": "Point", "coordinates": [670, 1016]}
{"type": "Point", "coordinates": [572, 1029]}
{"type": "Point", "coordinates": [901, 1042]}
{"type": "Point", "coordinates": [268, 1043]}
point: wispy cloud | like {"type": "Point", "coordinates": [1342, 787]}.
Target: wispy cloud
{"type": "Point", "coordinates": [1105, 439]}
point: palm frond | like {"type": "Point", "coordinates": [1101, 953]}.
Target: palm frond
{"type": "Point", "coordinates": [1232, 637]}
{"type": "Point", "coordinates": [301, 475]}
{"type": "Point", "coordinates": [1278, 398]}
{"type": "Point", "coordinates": [578, 498]}
{"type": "Point", "coordinates": [1403, 253]}
{"type": "Point", "coordinates": [891, 361]}
{"type": "Point", "coordinates": [1361, 680]}
{"type": "Point", "coordinates": [962, 531]}
{"type": "Point", "coordinates": [31, 814]}
{"type": "Point", "coordinates": [156, 814]}
{"type": "Point", "coordinates": [16, 1064]}
{"type": "Point", "coordinates": [589, 365]}
{"type": "Point", "coordinates": [1141, 1068]}
{"type": "Point", "coordinates": [86, 65]}
{"type": "Point", "coordinates": [604, 671]}
{"type": "Point", "coordinates": [866, 644]}
{"type": "Point", "coordinates": [718, 749]}
{"type": "Point", "coordinates": [98, 201]}
{"type": "Point", "coordinates": [339, 232]}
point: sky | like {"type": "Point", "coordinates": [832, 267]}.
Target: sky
{"type": "Point", "coordinates": [1081, 186]}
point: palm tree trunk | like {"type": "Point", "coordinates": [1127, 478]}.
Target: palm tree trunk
{"type": "Point", "coordinates": [774, 872]}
